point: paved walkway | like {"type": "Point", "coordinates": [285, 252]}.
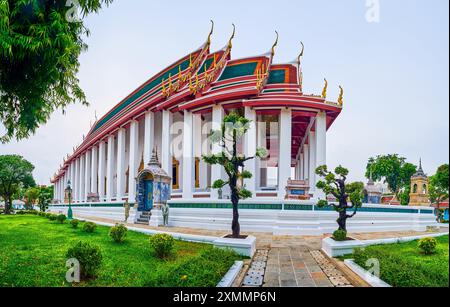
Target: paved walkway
{"type": "Point", "coordinates": [288, 261]}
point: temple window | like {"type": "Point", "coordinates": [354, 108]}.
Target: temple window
{"type": "Point", "coordinates": [197, 173]}
{"type": "Point", "coordinates": [175, 174]}
{"type": "Point", "coordinates": [415, 188]}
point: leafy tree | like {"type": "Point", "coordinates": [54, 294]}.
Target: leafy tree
{"type": "Point", "coordinates": [233, 128]}
{"type": "Point", "coordinates": [45, 197]}
{"type": "Point", "coordinates": [31, 196]}
{"type": "Point", "coordinates": [40, 42]}
{"type": "Point", "coordinates": [394, 170]}
{"type": "Point", "coordinates": [334, 183]}
{"type": "Point", "coordinates": [439, 185]}
{"type": "Point", "coordinates": [14, 172]}
{"type": "Point", "coordinates": [354, 186]}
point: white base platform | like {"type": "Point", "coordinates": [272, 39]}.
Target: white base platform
{"type": "Point", "coordinates": [278, 222]}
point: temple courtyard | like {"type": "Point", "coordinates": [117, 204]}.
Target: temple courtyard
{"type": "Point", "coordinates": [290, 261]}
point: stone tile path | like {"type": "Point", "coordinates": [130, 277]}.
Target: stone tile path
{"type": "Point", "coordinates": [257, 270]}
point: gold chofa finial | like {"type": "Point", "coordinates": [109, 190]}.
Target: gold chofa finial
{"type": "Point", "coordinates": [230, 42]}
{"type": "Point", "coordinates": [275, 44]}
{"type": "Point", "coordinates": [341, 96]}
{"type": "Point", "coordinates": [208, 42]}
{"type": "Point", "coordinates": [325, 87]}
{"type": "Point", "coordinates": [299, 58]}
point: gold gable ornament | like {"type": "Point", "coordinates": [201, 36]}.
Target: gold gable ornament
{"type": "Point", "coordinates": [341, 96]}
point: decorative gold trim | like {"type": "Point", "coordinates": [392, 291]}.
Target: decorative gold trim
{"type": "Point", "coordinates": [325, 87]}
{"type": "Point", "coordinates": [341, 96]}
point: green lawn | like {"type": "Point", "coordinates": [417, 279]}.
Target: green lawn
{"type": "Point", "coordinates": [403, 264]}
{"type": "Point", "coordinates": [33, 249]}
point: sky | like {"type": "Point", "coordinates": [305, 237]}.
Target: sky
{"type": "Point", "coordinates": [394, 67]}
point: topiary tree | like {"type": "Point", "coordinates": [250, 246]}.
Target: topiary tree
{"type": "Point", "coordinates": [233, 128]}
{"type": "Point", "coordinates": [334, 184]}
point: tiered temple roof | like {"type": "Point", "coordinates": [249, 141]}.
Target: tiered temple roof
{"type": "Point", "coordinates": [202, 79]}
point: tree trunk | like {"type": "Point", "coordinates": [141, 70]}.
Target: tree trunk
{"type": "Point", "coordinates": [235, 227]}
{"type": "Point", "coordinates": [342, 220]}
{"type": "Point", "coordinates": [8, 204]}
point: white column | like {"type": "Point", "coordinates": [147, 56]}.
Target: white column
{"type": "Point", "coordinates": [188, 153]}
{"type": "Point", "coordinates": [82, 179]}
{"type": "Point", "coordinates": [87, 176]}
{"type": "Point", "coordinates": [76, 182]}
{"type": "Point", "coordinates": [134, 137]}
{"type": "Point", "coordinates": [302, 166]}
{"type": "Point", "coordinates": [72, 171]}
{"type": "Point", "coordinates": [250, 150]}
{"type": "Point", "coordinates": [121, 139]}
{"type": "Point", "coordinates": [166, 136]}
{"type": "Point", "coordinates": [94, 170]}
{"type": "Point", "coordinates": [312, 161]}
{"type": "Point", "coordinates": [284, 160]}
{"type": "Point", "coordinates": [321, 145]}
{"type": "Point", "coordinates": [110, 169]}
{"type": "Point", "coordinates": [306, 162]}
{"type": "Point", "coordinates": [149, 136]}
{"type": "Point", "coordinates": [216, 170]}
{"type": "Point", "coordinates": [101, 170]}
{"type": "Point", "coordinates": [56, 190]}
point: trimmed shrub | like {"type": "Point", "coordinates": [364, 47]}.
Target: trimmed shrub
{"type": "Point", "coordinates": [61, 218]}
{"type": "Point", "coordinates": [52, 217]}
{"type": "Point", "coordinates": [89, 256]}
{"type": "Point", "coordinates": [340, 235]}
{"type": "Point", "coordinates": [74, 223]}
{"type": "Point", "coordinates": [428, 245]}
{"type": "Point", "coordinates": [162, 244]}
{"type": "Point", "coordinates": [89, 227]}
{"type": "Point", "coordinates": [118, 233]}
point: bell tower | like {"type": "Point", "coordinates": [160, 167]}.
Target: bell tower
{"type": "Point", "coordinates": [419, 188]}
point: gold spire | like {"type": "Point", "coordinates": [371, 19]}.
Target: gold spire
{"type": "Point", "coordinates": [341, 96]}
{"type": "Point", "coordinates": [230, 42]}
{"type": "Point", "coordinates": [325, 87]}
{"type": "Point", "coordinates": [299, 58]}
{"type": "Point", "coordinates": [275, 44]}
{"type": "Point", "coordinates": [208, 42]}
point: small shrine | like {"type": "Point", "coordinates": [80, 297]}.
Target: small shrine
{"type": "Point", "coordinates": [153, 186]}
{"type": "Point", "coordinates": [372, 193]}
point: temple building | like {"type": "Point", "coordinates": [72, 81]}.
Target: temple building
{"type": "Point", "coordinates": [174, 112]}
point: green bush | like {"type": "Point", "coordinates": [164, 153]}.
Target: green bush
{"type": "Point", "coordinates": [118, 233]}
{"type": "Point", "coordinates": [428, 245]}
{"type": "Point", "coordinates": [89, 257]}
{"type": "Point", "coordinates": [340, 235]}
{"type": "Point", "coordinates": [61, 218]}
{"type": "Point", "coordinates": [53, 217]}
{"type": "Point", "coordinates": [89, 227]}
{"type": "Point", "coordinates": [162, 244]}
{"type": "Point", "coordinates": [74, 223]}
